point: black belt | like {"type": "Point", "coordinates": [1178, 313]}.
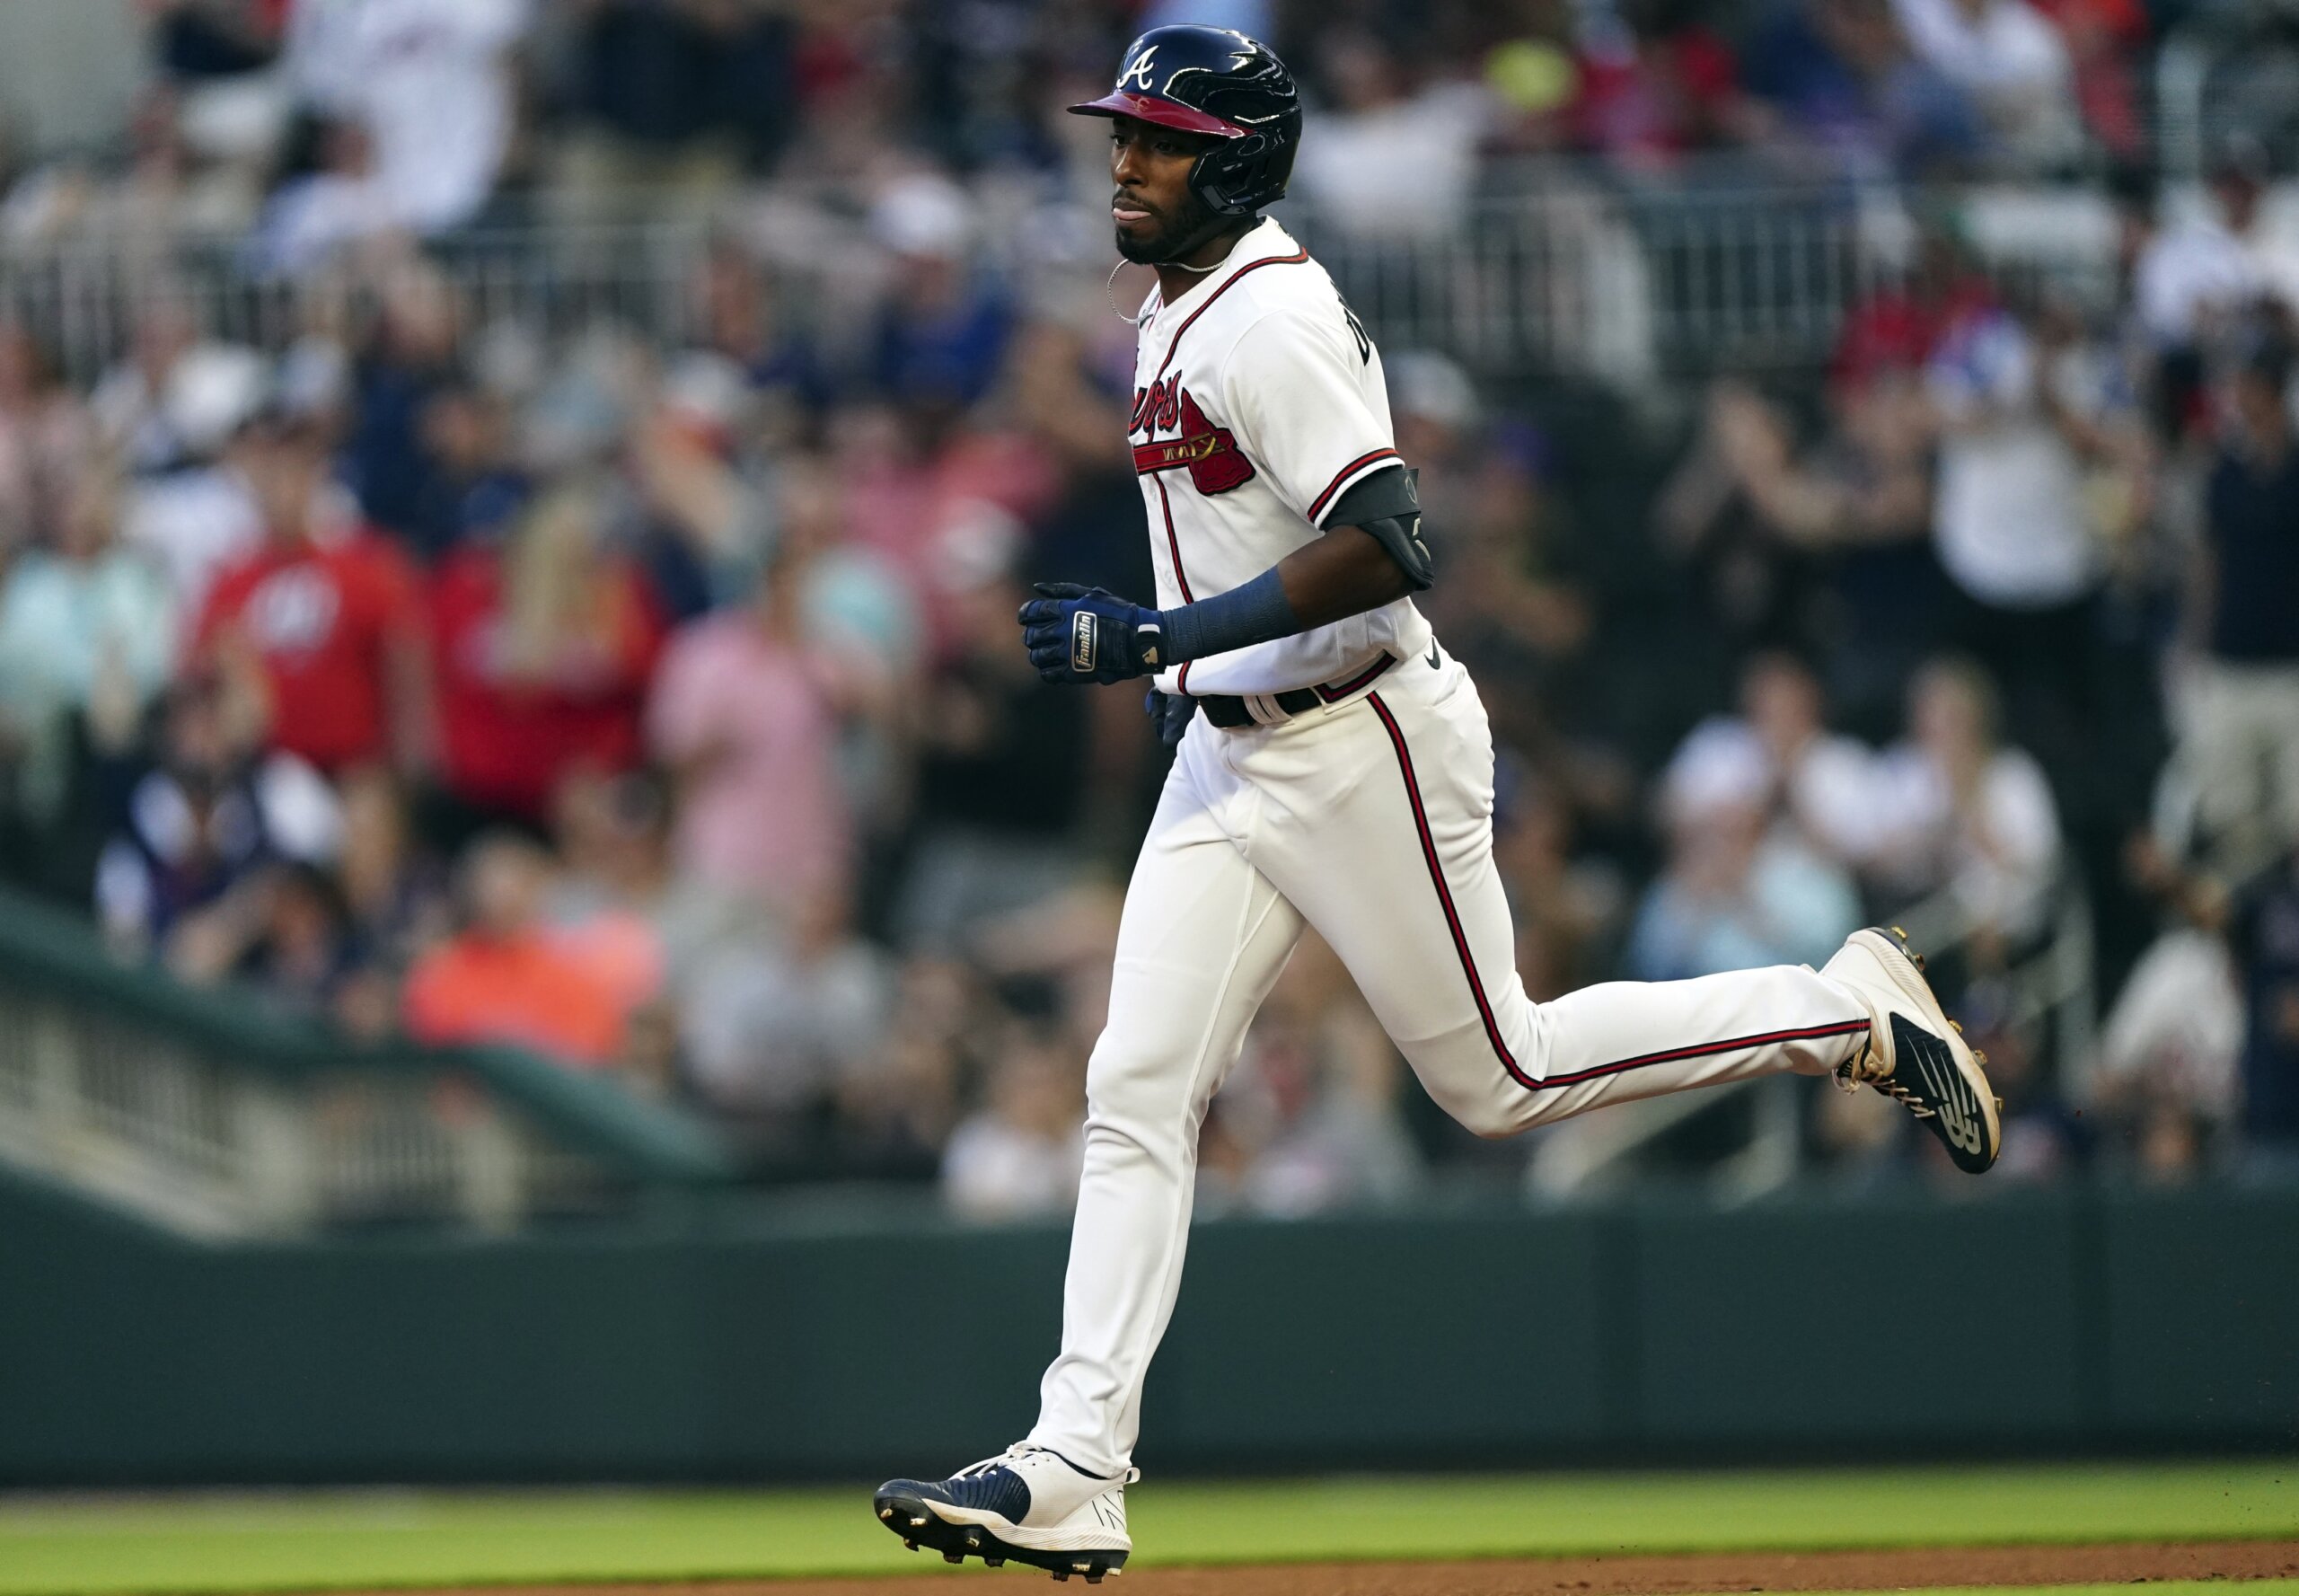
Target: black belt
{"type": "Point", "coordinates": [1229, 712]}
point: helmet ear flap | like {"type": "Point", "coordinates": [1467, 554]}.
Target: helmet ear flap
{"type": "Point", "coordinates": [1222, 172]}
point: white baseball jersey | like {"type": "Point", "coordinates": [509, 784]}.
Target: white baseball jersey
{"type": "Point", "coordinates": [1258, 401]}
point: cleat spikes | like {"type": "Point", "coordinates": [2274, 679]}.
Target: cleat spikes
{"type": "Point", "coordinates": [912, 1513]}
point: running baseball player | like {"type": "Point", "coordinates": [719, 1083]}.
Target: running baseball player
{"type": "Point", "coordinates": [1334, 769]}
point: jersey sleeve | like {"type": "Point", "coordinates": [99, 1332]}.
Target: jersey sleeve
{"type": "Point", "coordinates": [1295, 389]}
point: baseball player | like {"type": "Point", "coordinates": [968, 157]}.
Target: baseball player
{"type": "Point", "coordinates": [1334, 769]}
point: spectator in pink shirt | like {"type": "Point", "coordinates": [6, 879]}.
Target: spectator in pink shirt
{"type": "Point", "coordinates": [746, 712]}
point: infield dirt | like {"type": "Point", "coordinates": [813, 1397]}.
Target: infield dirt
{"type": "Point", "coordinates": [1899, 1568]}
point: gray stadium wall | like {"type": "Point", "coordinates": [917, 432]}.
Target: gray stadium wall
{"type": "Point", "coordinates": [716, 1343]}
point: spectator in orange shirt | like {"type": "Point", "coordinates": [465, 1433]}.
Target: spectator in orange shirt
{"type": "Point", "coordinates": [322, 614]}
{"type": "Point", "coordinates": [509, 977]}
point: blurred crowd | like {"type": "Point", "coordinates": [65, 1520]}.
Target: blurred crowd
{"type": "Point", "coordinates": [654, 701]}
{"type": "Point", "coordinates": [307, 123]}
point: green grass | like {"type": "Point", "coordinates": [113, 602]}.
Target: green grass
{"type": "Point", "coordinates": [311, 1540]}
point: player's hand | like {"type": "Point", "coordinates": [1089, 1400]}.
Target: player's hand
{"type": "Point", "coordinates": [1170, 713]}
{"type": "Point", "coordinates": [1085, 634]}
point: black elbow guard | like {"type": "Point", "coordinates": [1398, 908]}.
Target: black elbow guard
{"type": "Point", "coordinates": [1388, 507]}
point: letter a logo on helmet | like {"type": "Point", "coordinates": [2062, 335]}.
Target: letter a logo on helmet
{"type": "Point", "coordinates": [1221, 86]}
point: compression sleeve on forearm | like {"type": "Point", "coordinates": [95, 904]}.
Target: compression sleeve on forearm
{"type": "Point", "coordinates": [1257, 612]}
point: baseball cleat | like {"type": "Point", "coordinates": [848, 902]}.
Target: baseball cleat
{"type": "Point", "coordinates": [1026, 1505]}
{"type": "Point", "coordinates": [1914, 1052]}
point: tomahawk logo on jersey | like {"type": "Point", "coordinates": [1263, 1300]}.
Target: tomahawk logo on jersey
{"type": "Point", "coordinates": [1258, 401]}
{"type": "Point", "coordinates": [1210, 453]}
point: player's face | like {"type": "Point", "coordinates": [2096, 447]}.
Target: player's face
{"type": "Point", "coordinates": [1156, 215]}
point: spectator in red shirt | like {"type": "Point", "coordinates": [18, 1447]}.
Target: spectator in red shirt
{"type": "Point", "coordinates": [541, 647]}
{"type": "Point", "coordinates": [321, 614]}
{"type": "Point", "coordinates": [2106, 43]}
{"type": "Point", "coordinates": [1662, 84]}
{"type": "Point", "coordinates": [1894, 329]}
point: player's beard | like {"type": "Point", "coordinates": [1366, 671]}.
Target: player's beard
{"type": "Point", "coordinates": [1183, 232]}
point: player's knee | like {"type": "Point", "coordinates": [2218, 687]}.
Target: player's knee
{"type": "Point", "coordinates": [1481, 1109]}
{"type": "Point", "coordinates": [1493, 1121]}
{"type": "Point", "coordinates": [1132, 1082]}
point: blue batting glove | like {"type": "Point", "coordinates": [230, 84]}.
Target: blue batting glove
{"type": "Point", "coordinates": [1084, 634]}
{"type": "Point", "coordinates": [1170, 713]}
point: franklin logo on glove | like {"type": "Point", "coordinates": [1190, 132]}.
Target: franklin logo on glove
{"type": "Point", "coordinates": [1085, 634]}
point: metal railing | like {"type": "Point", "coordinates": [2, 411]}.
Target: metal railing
{"type": "Point", "coordinates": [84, 296]}
{"type": "Point", "coordinates": [209, 1115]}
{"type": "Point", "coordinates": [1571, 274]}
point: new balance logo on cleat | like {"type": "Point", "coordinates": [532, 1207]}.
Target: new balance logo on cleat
{"type": "Point", "coordinates": [1941, 1089]}
{"type": "Point", "coordinates": [1915, 1053]}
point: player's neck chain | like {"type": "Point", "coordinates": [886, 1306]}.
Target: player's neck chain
{"type": "Point", "coordinates": [1109, 292]}
{"type": "Point", "coordinates": [1109, 287]}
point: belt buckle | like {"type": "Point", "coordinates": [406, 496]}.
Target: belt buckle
{"type": "Point", "coordinates": [1265, 709]}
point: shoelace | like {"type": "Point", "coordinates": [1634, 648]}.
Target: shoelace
{"type": "Point", "coordinates": [1862, 1069]}
{"type": "Point", "coordinates": [1890, 1087]}
{"type": "Point", "coordinates": [1004, 1459]}
{"type": "Point", "coordinates": [1012, 1454]}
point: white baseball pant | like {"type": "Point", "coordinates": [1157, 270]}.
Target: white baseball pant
{"type": "Point", "coordinates": [1372, 821]}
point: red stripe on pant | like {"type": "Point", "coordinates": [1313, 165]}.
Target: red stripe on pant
{"type": "Point", "coordinates": [1445, 897]}
{"type": "Point", "coordinates": [1841, 1027]}
{"type": "Point", "coordinates": [1844, 1027]}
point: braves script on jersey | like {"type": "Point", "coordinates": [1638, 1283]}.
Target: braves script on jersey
{"type": "Point", "coordinates": [1258, 401]}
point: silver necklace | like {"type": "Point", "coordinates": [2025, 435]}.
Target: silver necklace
{"type": "Point", "coordinates": [1109, 285]}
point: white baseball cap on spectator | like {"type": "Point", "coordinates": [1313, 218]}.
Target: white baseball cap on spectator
{"type": "Point", "coordinates": [1432, 387]}
{"type": "Point", "coordinates": [314, 377]}
{"type": "Point", "coordinates": [922, 216]}
{"type": "Point", "coordinates": [977, 544]}
{"type": "Point", "coordinates": [709, 393]}
{"type": "Point", "coordinates": [1723, 769]}
{"type": "Point", "coordinates": [212, 392]}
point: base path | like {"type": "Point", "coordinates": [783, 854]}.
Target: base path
{"type": "Point", "coordinates": [1896, 1569]}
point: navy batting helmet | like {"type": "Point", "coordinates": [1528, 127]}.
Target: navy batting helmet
{"type": "Point", "coordinates": [1217, 82]}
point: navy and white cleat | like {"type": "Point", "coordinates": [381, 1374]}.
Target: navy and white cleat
{"type": "Point", "coordinates": [1026, 1505]}
{"type": "Point", "coordinates": [1914, 1052]}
